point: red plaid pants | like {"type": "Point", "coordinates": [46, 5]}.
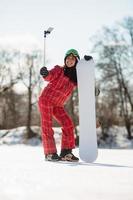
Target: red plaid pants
{"type": "Point", "coordinates": [48, 111]}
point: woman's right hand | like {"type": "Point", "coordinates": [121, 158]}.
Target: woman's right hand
{"type": "Point", "coordinates": [44, 72]}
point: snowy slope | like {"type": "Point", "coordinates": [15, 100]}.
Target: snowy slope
{"type": "Point", "coordinates": [25, 175]}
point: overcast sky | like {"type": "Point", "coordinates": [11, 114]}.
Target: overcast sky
{"type": "Point", "coordinates": [22, 23]}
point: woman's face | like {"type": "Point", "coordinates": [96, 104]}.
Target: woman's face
{"type": "Point", "coordinates": [70, 60]}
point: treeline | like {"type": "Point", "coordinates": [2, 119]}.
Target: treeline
{"type": "Point", "coordinates": [20, 82]}
{"type": "Point", "coordinates": [115, 65]}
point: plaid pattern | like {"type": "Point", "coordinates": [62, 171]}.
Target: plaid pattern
{"type": "Point", "coordinates": [59, 88]}
{"type": "Point", "coordinates": [51, 104]}
{"type": "Point", "coordinates": [48, 141]}
{"type": "Point", "coordinates": [68, 141]}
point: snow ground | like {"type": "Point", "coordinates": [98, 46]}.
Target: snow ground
{"type": "Point", "coordinates": [25, 175]}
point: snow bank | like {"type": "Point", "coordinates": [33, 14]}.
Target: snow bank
{"type": "Point", "coordinates": [117, 137]}
{"type": "Point", "coordinates": [18, 136]}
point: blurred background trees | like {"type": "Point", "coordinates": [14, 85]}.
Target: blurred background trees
{"type": "Point", "coordinates": [115, 50]}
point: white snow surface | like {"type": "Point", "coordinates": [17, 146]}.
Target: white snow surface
{"type": "Point", "coordinates": [24, 175]}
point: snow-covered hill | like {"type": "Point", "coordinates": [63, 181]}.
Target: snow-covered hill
{"type": "Point", "coordinates": [117, 137]}
{"type": "Point", "coordinates": [17, 136]}
{"type": "Point", "coordinates": [25, 175]}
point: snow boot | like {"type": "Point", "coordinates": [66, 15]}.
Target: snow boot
{"type": "Point", "coordinates": [52, 157]}
{"type": "Point", "coordinates": [67, 155]}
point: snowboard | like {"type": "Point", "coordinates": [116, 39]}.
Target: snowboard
{"type": "Point", "coordinates": [87, 115]}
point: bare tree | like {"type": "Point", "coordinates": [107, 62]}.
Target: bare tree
{"type": "Point", "coordinates": [7, 81]}
{"type": "Point", "coordinates": [29, 75]}
{"type": "Point", "coordinates": [127, 23]}
{"type": "Point", "coordinates": [113, 61]}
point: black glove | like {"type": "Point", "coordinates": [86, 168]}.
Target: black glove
{"type": "Point", "coordinates": [44, 72]}
{"type": "Point", "coordinates": [86, 57]}
{"type": "Point", "coordinates": [97, 91]}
